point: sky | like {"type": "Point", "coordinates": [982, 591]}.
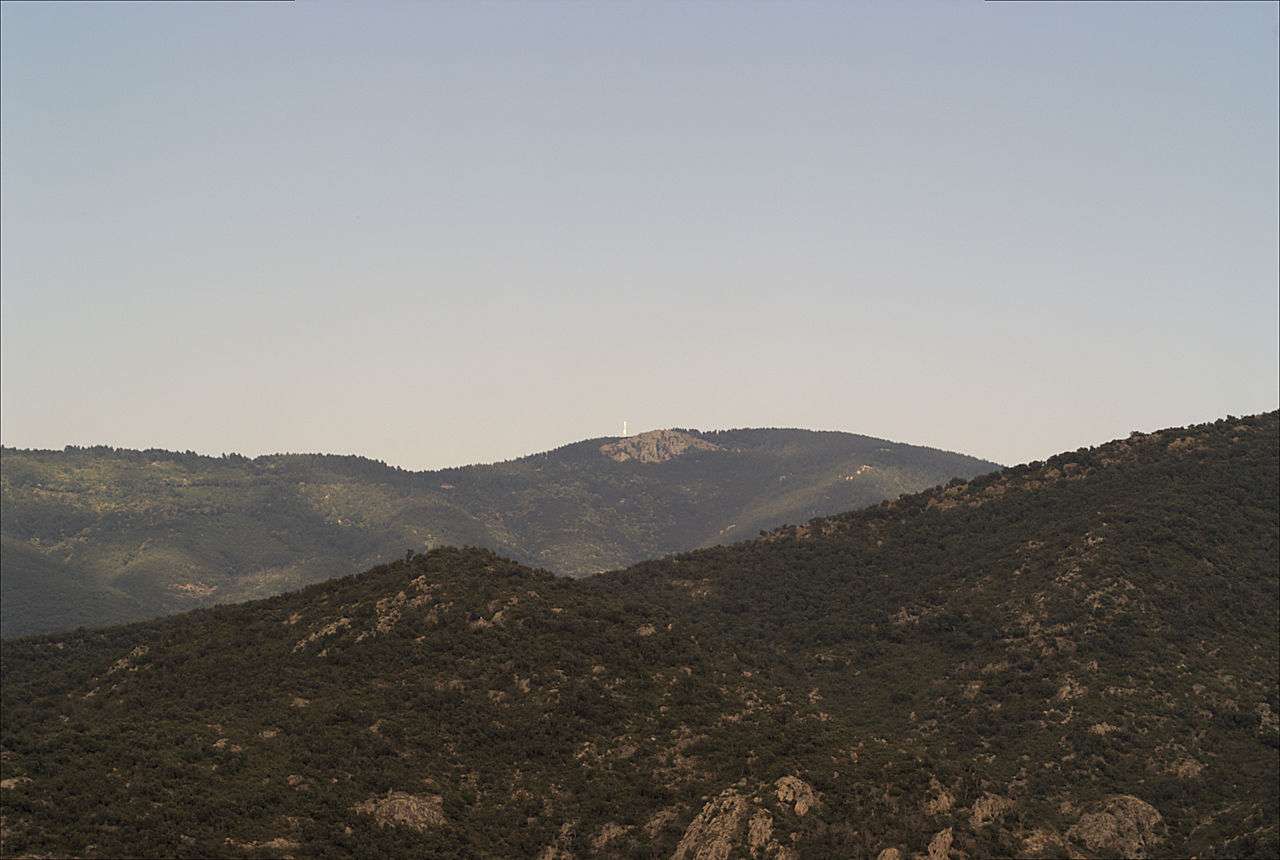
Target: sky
{"type": "Point", "coordinates": [442, 233]}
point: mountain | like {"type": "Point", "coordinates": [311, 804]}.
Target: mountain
{"type": "Point", "coordinates": [1079, 657]}
{"type": "Point", "coordinates": [98, 536]}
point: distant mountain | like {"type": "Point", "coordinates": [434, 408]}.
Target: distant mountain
{"type": "Point", "coordinates": [94, 536]}
{"type": "Point", "coordinates": [1075, 658]}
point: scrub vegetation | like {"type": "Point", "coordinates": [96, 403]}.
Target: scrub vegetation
{"type": "Point", "coordinates": [1070, 658]}
{"type": "Point", "coordinates": [96, 536]}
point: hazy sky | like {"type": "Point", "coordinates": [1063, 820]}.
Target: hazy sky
{"type": "Point", "coordinates": [440, 233]}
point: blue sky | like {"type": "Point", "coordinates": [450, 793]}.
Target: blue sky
{"type": "Point", "coordinates": [441, 233]}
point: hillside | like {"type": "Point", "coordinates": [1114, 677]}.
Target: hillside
{"type": "Point", "coordinates": [1071, 658]}
{"type": "Point", "coordinates": [98, 536]}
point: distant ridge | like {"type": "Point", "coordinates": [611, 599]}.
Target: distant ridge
{"type": "Point", "coordinates": [92, 536]}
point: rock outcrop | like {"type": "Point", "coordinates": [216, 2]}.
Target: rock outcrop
{"type": "Point", "coordinates": [988, 808]}
{"type": "Point", "coordinates": [941, 800]}
{"type": "Point", "coordinates": [659, 821]}
{"type": "Point", "coordinates": [417, 811]}
{"type": "Point", "coordinates": [713, 833]}
{"type": "Point", "coordinates": [609, 833]}
{"type": "Point", "coordinates": [940, 845]}
{"type": "Point", "coordinates": [1119, 826]}
{"type": "Point", "coordinates": [559, 850]}
{"type": "Point", "coordinates": [733, 824]}
{"type": "Point", "coordinates": [797, 794]}
{"type": "Point", "coordinates": [656, 446]}
{"type": "Point", "coordinates": [759, 831]}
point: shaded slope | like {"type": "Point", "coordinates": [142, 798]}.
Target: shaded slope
{"type": "Point", "coordinates": [110, 536]}
{"type": "Point", "coordinates": [1077, 657]}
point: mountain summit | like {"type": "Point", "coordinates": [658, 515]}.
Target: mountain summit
{"type": "Point", "coordinates": [655, 446]}
{"type": "Point", "coordinates": [1074, 658]}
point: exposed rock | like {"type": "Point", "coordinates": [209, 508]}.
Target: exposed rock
{"type": "Point", "coordinates": [797, 793]}
{"type": "Point", "coordinates": [607, 834]}
{"type": "Point", "coordinates": [1186, 443]}
{"type": "Point", "coordinates": [14, 781]}
{"type": "Point", "coordinates": [889, 854]}
{"type": "Point", "coordinates": [278, 844]}
{"type": "Point", "coordinates": [1119, 826]}
{"type": "Point", "coordinates": [759, 831]}
{"type": "Point", "coordinates": [988, 808]}
{"type": "Point", "coordinates": [126, 663]}
{"type": "Point", "coordinates": [388, 609]}
{"type": "Point", "coordinates": [326, 630]}
{"type": "Point", "coordinates": [646, 630]}
{"type": "Point", "coordinates": [697, 588]}
{"type": "Point", "coordinates": [676, 763]}
{"type": "Point", "coordinates": [417, 811]}
{"type": "Point", "coordinates": [656, 446]}
{"type": "Point", "coordinates": [1038, 841]}
{"type": "Point", "coordinates": [193, 589]}
{"type": "Point", "coordinates": [713, 833]}
{"type": "Point", "coordinates": [1268, 723]}
{"type": "Point", "coordinates": [559, 850]}
{"type": "Point", "coordinates": [1185, 767]}
{"type": "Point", "coordinates": [940, 845]}
{"type": "Point", "coordinates": [659, 821]}
{"type": "Point", "coordinates": [1070, 689]}
{"type": "Point", "coordinates": [476, 621]}
{"type": "Point", "coordinates": [905, 616]}
{"type": "Point", "coordinates": [942, 800]}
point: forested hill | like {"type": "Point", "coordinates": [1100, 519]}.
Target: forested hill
{"type": "Point", "coordinates": [1071, 658]}
{"type": "Point", "coordinates": [98, 536]}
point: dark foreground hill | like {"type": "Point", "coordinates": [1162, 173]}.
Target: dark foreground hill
{"type": "Point", "coordinates": [101, 536]}
{"type": "Point", "coordinates": [1071, 658]}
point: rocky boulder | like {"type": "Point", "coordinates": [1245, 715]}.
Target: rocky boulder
{"type": "Point", "coordinates": [797, 794]}
{"type": "Point", "coordinates": [419, 812]}
{"type": "Point", "coordinates": [713, 833]}
{"type": "Point", "coordinates": [1119, 826]}
{"type": "Point", "coordinates": [733, 824]}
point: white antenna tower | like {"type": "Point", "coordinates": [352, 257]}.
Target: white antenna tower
{"type": "Point", "coordinates": [624, 427]}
